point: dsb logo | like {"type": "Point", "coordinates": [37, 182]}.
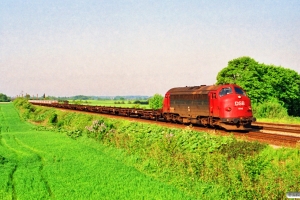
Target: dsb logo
{"type": "Point", "coordinates": [239, 103]}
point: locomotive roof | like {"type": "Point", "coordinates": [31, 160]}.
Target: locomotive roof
{"type": "Point", "coordinates": [203, 89]}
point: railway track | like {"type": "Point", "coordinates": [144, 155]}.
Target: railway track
{"type": "Point", "coordinates": [276, 128]}
{"type": "Point", "coordinates": [288, 126]}
{"type": "Point", "coordinates": [274, 134]}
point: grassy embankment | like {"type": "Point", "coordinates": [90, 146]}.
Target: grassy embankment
{"type": "Point", "coordinates": [39, 164]}
{"type": "Point", "coordinates": [202, 166]}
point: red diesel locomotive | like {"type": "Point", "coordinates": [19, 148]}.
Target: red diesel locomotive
{"type": "Point", "coordinates": [225, 106]}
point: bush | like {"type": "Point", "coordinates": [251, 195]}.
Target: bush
{"type": "Point", "coordinates": [156, 102]}
{"type": "Point", "coordinates": [53, 118]}
{"type": "Point", "coordinates": [270, 109]}
{"type": "Point", "coordinates": [241, 149]}
{"type": "Point", "coordinates": [4, 98]}
{"type": "Point", "coordinates": [98, 129]}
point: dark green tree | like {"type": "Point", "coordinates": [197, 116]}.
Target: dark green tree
{"type": "Point", "coordinates": [264, 82]}
{"type": "Point", "coordinates": [4, 98]}
{"type": "Point", "coordinates": [286, 87]}
{"type": "Point", "coordinates": [246, 73]}
{"type": "Point", "coordinates": [156, 101]}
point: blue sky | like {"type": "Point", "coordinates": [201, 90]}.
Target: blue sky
{"type": "Point", "coordinates": [131, 47]}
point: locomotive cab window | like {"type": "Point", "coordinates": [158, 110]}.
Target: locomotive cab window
{"type": "Point", "coordinates": [239, 91]}
{"type": "Point", "coordinates": [225, 91]}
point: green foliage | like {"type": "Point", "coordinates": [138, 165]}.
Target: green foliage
{"type": "Point", "coordinates": [77, 102]}
{"type": "Point", "coordinates": [26, 107]}
{"type": "Point", "coordinates": [98, 129]}
{"type": "Point", "coordinates": [119, 102]}
{"type": "Point", "coordinates": [241, 149]}
{"type": "Point", "coordinates": [74, 134]}
{"type": "Point", "coordinates": [156, 101]}
{"type": "Point", "coordinates": [270, 109]}
{"type": "Point", "coordinates": [4, 98]}
{"type": "Point", "coordinates": [18, 102]}
{"type": "Point", "coordinates": [136, 106]}
{"type": "Point", "coordinates": [81, 97]}
{"type": "Point", "coordinates": [141, 102]}
{"type": "Point", "coordinates": [53, 118]}
{"type": "Point", "coordinates": [264, 82]}
{"type": "Point", "coordinates": [119, 98]}
{"type": "Point", "coordinates": [254, 167]}
{"type": "Point", "coordinates": [22, 103]}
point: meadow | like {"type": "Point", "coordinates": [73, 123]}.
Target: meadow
{"type": "Point", "coordinates": [112, 103]}
{"type": "Point", "coordinates": [198, 164]}
{"type": "Point", "coordinates": [43, 164]}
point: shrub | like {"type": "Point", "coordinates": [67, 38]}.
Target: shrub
{"type": "Point", "coordinates": [53, 118]}
{"type": "Point", "coordinates": [241, 149]}
{"type": "Point", "coordinates": [98, 129]}
{"type": "Point", "coordinates": [271, 108]}
{"type": "Point", "coordinates": [156, 102]}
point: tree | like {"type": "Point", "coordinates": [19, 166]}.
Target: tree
{"type": "Point", "coordinates": [264, 82]}
{"type": "Point", "coordinates": [244, 72]}
{"type": "Point", "coordinates": [156, 101]}
{"type": "Point", "coordinates": [4, 98]}
{"type": "Point", "coordinates": [27, 96]}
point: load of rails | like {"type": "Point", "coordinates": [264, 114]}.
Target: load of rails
{"type": "Point", "coordinates": [218, 106]}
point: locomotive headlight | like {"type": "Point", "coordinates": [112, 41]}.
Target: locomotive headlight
{"type": "Point", "coordinates": [228, 109]}
{"type": "Point", "coordinates": [249, 108]}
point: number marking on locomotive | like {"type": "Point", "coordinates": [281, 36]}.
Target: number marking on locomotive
{"type": "Point", "coordinates": [239, 103]}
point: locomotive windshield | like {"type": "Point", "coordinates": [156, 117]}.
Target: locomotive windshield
{"type": "Point", "coordinates": [239, 91]}
{"type": "Point", "coordinates": [225, 91]}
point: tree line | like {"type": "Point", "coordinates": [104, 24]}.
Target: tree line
{"type": "Point", "coordinates": [4, 98]}
{"type": "Point", "coordinates": [264, 83]}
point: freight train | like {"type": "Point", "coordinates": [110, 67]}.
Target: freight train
{"type": "Point", "coordinates": [219, 106]}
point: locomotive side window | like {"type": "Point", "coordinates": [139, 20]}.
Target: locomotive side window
{"type": "Point", "coordinates": [225, 91]}
{"type": "Point", "coordinates": [239, 91]}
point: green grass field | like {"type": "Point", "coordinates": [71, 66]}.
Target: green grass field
{"type": "Point", "coordinates": [113, 103]}
{"type": "Point", "coordinates": [79, 149]}
{"type": "Point", "coordinates": [50, 165]}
